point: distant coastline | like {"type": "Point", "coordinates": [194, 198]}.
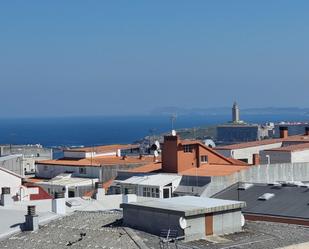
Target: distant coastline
{"type": "Point", "coordinates": [87, 131]}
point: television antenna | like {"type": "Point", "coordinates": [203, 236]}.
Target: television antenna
{"type": "Point", "coordinates": [173, 119]}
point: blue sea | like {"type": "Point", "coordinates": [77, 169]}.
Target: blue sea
{"type": "Point", "coordinates": [88, 131]}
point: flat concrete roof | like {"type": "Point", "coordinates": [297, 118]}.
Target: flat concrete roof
{"type": "Point", "coordinates": [187, 205]}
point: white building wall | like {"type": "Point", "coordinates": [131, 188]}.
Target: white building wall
{"type": "Point", "coordinates": [195, 227]}
{"type": "Point", "coordinates": [300, 156]}
{"type": "Point", "coordinates": [275, 157]}
{"type": "Point", "coordinates": [74, 154]}
{"type": "Point", "coordinates": [10, 180]}
{"type": "Point", "coordinates": [247, 153]}
{"type": "Point", "coordinates": [82, 154]}
{"type": "Point", "coordinates": [50, 171]}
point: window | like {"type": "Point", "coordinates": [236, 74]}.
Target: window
{"type": "Point", "coordinates": [82, 171]}
{"type": "Point", "coordinates": [187, 148]}
{"type": "Point", "coordinates": [146, 192]}
{"type": "Point", "coordinates": [151, 192]}
{"type": "Point", "coordinates": [204, 159]}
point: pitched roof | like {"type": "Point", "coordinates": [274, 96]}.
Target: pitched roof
{"type": "Point", "coordinates": [250, 144]}
{"type": "Point", "coordinates": [195, 142]}
{"type": "Point", "coordinates": [10, 172]}
{"type": "Point", "coordinates": [151, 167]}
{"type": "Point", "coordinates": [104, 148]}
{"type": "Point", "coordinates": [296, 138]}
{"type": "Point", "coordinates": [291, 148]}
{"type": "Point", "coordinates": [214, 170]}
{"type": "Point", "coordinates": [97, 161]}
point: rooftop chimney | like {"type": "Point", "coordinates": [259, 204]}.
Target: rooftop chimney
{"type": "Point", "coordinates": [6, 198]}
{"type": "Point", "coordinates": [284, 132]}
{"type": "Point", "coordinates": [100, 191]}
{"type": "Point", "coordinates": [170, 154]}
{"type": "Point", "coordinates": [58, 203]}
{"type": "Point", "coordinates": [31, 219]}
{"type": "Point", "coordinates": [256, 159]}
{"type": "Point", "coordinates": [307, 131]}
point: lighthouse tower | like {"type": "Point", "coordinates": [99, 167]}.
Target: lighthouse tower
{"type": "Point", "coordinates": [235, 113]}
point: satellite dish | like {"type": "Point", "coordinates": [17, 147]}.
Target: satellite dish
{"type": "Point", "coordinates": [182, 223]}
{"type": "Point", "coordinates": [210, 143]}
{"type": "Point", "coordinates": [173, 133]}
{"type": "Point", "coordinates": [243, 221]}
{"type": "Point", "coordinates": [157, 143]}
{"type": "Point", "coordinates": [156, 153]}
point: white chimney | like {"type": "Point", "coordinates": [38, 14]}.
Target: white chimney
{"type": "Point", "coordinates": [58, 203]}
{"type": "Point", "coordinates": [6, 198]}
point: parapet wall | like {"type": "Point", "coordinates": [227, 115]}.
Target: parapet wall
{"type": "Point", "coordinates": [260, 174]}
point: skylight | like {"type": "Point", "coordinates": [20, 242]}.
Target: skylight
{"type": "Point", "coordinates": [266, 196]}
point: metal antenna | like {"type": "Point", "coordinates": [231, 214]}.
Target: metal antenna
{"type": "Point", "coordinates": [173, 119]}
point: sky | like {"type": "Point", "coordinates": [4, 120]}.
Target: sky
{"type": "Point", "coordinates": [68, 58]}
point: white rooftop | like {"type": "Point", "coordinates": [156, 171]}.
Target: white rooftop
{"type": "Point", "coordinates": [188, 205]}
{"type": "Point", "coordinates": [151, 179]}
{"type": "Point", "coordinates": [67, 180]}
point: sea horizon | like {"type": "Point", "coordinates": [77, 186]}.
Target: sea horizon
{"type": "Point", "coordinates": [100, 130]}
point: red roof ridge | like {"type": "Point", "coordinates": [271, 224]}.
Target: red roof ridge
{"type": "Point", "coordinates": [229, 160]}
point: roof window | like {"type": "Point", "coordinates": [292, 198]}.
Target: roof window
{"type": "Point", "coordinates": [266, 196]}
{"type": "Point", "coordinates": [244, 186]}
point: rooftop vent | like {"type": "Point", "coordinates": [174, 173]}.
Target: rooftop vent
{"type": "Point", "coordinates": [292, 184]}
{"type": "Point", "coordinates": [266, 196]}
{"type": "Point", "coordinates": [275, 184]}
{"type": "Point", "coordinates": [244, 186]}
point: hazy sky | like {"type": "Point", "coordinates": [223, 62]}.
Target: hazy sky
{"type": "Point", "coordinates": [127, 57]}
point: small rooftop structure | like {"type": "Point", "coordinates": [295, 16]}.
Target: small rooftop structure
{"type": "Point", "coordinates": [192, 217]}
{"type": "Point", "coordinates": [71, 186]}
{"type": "Point", "coordinates": [155, 185]}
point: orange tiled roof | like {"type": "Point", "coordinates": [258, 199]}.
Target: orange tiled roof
{"type": "Point", "coordinates": [250, 144]}
{"type": "Point", "coordinates": [148, 168]}
{"type": "Point", "coordinates": [188, 142]}
{"type": "Point", "coordinates": [213, 170]}
{"type": "Point", "coordinates": [104, 148]}
{"type": "Point", "coordinates": [294, 147]}
{"type": "Point", "coordinates": [296, 138]}
{"type": "Point", "coordinates": [98, 161]}
{"type": "Point", "coordinates": [34, 180]}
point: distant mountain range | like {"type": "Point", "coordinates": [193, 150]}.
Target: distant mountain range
{"type": "Point", "coordinates": [227, 111]}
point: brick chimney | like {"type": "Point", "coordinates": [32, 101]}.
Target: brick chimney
{"type": "Point", "coordinates": [307, 131]}
{"type": "Point", "coordinates": [170, 154]}
{"type": "Point", "coordinates": [256, 159]}
{"type": "Point", "coordinates": [284, 132]}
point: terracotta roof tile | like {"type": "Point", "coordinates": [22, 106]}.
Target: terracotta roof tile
{"type": "Point", "coordinates": [297, 138]}
{"type": "Point", "coordinates": [228, 160]}
{"type": "Point", "coordinates": [104, 148]}
{"type": "Point", "coordinates": [294, 147]}
{"type": "Point", "coordinates": [148, 168]}
{"type": "Point", "coordinates": [98, 161]}
{"type": "Point", "coordinates": [213, 170]}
